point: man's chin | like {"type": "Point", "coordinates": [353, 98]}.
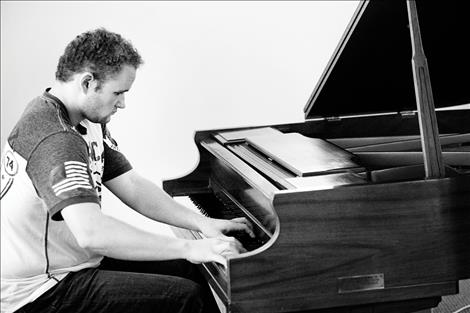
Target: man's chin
{"type": "Point", "coordinates": [103, 120]}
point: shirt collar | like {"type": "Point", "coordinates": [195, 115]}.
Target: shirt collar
{"type": "Point", "coordinates": [63, 110]}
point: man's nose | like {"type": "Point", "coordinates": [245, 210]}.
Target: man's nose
{"type": "Point", "coordinates": [121, 103]}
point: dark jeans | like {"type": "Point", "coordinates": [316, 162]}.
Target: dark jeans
{"type": "Point", "coordinates": [126, 286]}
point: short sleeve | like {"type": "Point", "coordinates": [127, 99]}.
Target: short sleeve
{"type": "Point", "coordinates": [115, 163]}
{"type": "Point", "coordinates": [59, 170]}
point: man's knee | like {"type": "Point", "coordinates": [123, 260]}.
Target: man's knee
{"type": "Point", "coordinates": [192, 297]}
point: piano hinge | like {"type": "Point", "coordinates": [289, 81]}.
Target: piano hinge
{"type": "Point", "coordinates": [407, 114]}
{"type": "Point", "coordinates": [333, 118]}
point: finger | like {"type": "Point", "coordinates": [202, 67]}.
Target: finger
{"type": "Point", "coordinates": [239, 220]}
{"type": "Point", "coordinates": [234, 250]}
{"type": "Point", "coordinates": [242, 220]}
{"type": "Point", "coordinates": [241, 248]}
{"type": "Point", "coordinates": [229, 252]}
{"type": "Point", "coordinates": [219, 258]}
{"type": "Point", "coordinates": [243, 225]}
{"type": "Point", "coordinates": [237, 246]}
{"type": "Point", "coordinates": [225, 238]}
{"type": "Point", "coordinates": [228, 255]}
{"type": "Point", "coordinates": [223, 243]}
{"type": "Point", "coordinates": [250, 231]}
{"type": "Point", "coordinates": [231, 244]}
{"type": "Point", "coordinates": [245, 221]}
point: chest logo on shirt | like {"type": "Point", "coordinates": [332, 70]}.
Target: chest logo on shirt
{"type": "Point", "coordinates": [9, 170]}
{"type": "Point", "coordinates": [10, 165]}
{"type": "Point", "coordinates": [94, 152]}
{"type": "Point", "coordinates": [96, 164]}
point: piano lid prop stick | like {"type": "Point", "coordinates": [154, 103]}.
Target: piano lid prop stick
{"type": "Point", "coordinates": [434, 168]}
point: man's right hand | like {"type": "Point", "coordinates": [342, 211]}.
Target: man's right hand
{"type": "Point", "coordinates": [216, 249]}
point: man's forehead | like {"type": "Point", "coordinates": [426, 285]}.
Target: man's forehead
{"type": "Point", "coordinates": [123, 79]}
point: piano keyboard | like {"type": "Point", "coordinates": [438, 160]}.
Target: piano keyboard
{"type": "Point", "coordinates": [218, 205]}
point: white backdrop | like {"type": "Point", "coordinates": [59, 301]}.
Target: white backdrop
{"type": "Point", "coordinates": [211, 64]}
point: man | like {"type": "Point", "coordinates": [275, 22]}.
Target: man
{"type": "Point", "coordinates": [60, 253]}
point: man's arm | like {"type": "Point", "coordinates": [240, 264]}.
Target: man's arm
{"type": "Point", "coordinates": [150, 200]}
{"type": "Point", "coordinates": [110, 237]}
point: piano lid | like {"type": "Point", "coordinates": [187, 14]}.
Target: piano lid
{"type": "Point", "coordinates": [370, 70]}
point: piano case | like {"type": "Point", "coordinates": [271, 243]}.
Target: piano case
{"type": "Point", "coordinates": [377, 235]}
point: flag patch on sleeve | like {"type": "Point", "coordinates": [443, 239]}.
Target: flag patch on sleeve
{"type": "Point", "coordinates": [72, 175]}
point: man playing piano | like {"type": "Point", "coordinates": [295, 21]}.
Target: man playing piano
{"type": "Point", "coordinates": [60, 253]}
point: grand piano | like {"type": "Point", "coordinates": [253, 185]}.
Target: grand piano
{"type": "Point", "coordinates": [351, 212]}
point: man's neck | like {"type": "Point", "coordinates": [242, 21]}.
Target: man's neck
{"type": "Point", "coordinates": [65, 93]}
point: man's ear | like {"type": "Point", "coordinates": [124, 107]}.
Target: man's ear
{"type": "Point", "coordinates": [87, 82]}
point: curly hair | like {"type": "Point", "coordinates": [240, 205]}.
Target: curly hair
{"type": "Point", "coordinates": [99, 51]}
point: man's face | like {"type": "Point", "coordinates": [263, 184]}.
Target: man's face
{"type": "Point", "coordinates": [103, 103]}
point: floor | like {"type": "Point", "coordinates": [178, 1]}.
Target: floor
{"type": "Point", "coordinates": [451, 304]}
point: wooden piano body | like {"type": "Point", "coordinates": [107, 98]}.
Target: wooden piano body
{"type": "Point", "coordinates": [381, 238]}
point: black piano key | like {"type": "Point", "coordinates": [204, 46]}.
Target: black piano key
{"type": "Point", "coordinates": [248, 242]}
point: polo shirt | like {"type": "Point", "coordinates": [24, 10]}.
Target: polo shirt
{"type": "Point", "coordinates": [47, 165]}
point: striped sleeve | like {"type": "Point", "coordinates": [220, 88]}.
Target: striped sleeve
{"type": "Point", "coordinates": [74, 175]}
{"type": "Point", "coordinates": [58, 168]}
